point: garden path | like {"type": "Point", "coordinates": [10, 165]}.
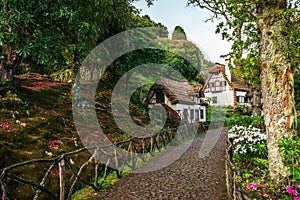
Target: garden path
{"type": "Point", "coordinates": [190, 177]}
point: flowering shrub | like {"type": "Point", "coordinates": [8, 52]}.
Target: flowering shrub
{"type": "Point", "coordinates": [246, 139]}
{"type": "Point", "coordinates": [5, 127]}
{"type": "Point", "coordinates": [290, 149]}
{"type": "Point", "coordinates": [260, 189]}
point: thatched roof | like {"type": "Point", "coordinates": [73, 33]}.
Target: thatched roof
{"type": "Point", "coordinates": [176, 91]}
{"type": "Point", "coordinates": [236, 82]}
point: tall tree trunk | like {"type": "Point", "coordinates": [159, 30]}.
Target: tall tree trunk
{"type": "Point", "coordinates": [277, 85]}
{"type": "Point", "coordinates": [8, 64]}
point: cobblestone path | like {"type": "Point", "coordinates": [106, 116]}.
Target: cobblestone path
{"type": "Point", "coordinates": [190, 177]}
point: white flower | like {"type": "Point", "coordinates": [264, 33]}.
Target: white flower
{"type": "Point", "coordinates": [245, 138]}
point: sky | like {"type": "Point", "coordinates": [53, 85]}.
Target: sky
{"type": "Point", "coordinates": [173, 13]}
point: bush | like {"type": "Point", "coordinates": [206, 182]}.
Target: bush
{"type": "Point", "coordinates": [238, 110]}
{"type": "Point", "coordinates": [290, 149]}
{"type": "Point", "coordinates": [215, 113]}
{"type": "Point", "coordinates": [247, 140]}
{"type": "Point", "coordinates": [244, 120]}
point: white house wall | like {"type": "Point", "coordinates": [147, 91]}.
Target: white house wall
{"type": "Point", "coordinates": [224, 98]}
{"type": "Point", "coordinates": [225, 95]}
{"type": "Point", "coordinates": [180, 108]}
{"type": "Point", "coordinates": [241, 93]}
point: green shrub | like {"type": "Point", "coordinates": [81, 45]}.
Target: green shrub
{"type": "Point", "coordinates": [290, 150]}
{"type": "Point", "coordinates": [238, 110]}
{"type": "Point", "coordinates": [215, 113]}
{"type": "Point", "coordinates": [245, 120]}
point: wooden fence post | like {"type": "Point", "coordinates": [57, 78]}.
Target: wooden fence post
{"type": "Point", "coordinates": [4, 186]}
{"type": "Point", "coordinates": [62, 168]}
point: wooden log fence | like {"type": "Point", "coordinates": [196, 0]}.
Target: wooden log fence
{"type": "Point", "coordinates": [234, 188]}
{"type": "Point", "coordinates": [137, 149]}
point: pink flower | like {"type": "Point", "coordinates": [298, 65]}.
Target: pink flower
{"type": "Point", "coordinates": [85, 141]}
{"type": "Point", "coordinates": [54, 172]}
{"type": "Point", "coordinates": [107, 137]}
{"type": "Point", "coordinates": [254, 185]}
{"type": "Point", "coordinates": [66, 129]}
{"type": "Point", "coordinates": [72, 138]}
{"type": "Point", "coordinates": [249, 186]}
{"type": "Point", "coordinates": [298, 186]}
{"type": "Point", "coordinates": [266, 186]}
{"type": "Point", "coordinates": [93, 142]}
{"type": "Point", "coordinates": [4, 125]}
{"type": "Point", "coordinates": [54, 113]}
{"type": "Point", "coordinates": [10, 130]}
{"type": "Point", "coordinates": [96, 134]}
{"type": "Point", "coordinates": [296, 198]}
{"type": "Point", "coordinates": [290, 190]}
{"type": "Point", "coordinates": [262, 181]}
{"type": "Point", "coordinates": [53, 144]}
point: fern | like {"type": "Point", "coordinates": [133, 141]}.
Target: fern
{"type": "Point", "coordinates": [66, 76]}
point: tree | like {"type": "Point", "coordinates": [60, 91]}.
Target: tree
{"type": "Point", "coordinates": [55, 34]}
{"type": "Point", "coordinates": [145, 21]}
{"type": "Point", "coordinates": [178, 34]}
{"type": "Point", "coordinates": [269, 30]}
{"type": "Point", "coordinates": [194, 71]}
{"type": "Point", "coordinates": [297, 88]}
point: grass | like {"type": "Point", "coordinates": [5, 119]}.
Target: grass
{"type": "Point", "coordinates": [36, 122]}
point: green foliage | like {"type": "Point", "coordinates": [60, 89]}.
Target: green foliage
{"type": "Point", "coordinates": [249, 68]}
{"type": "Point", "coordinates": [172, 59]}
{"type": "Point", "coordinates": [215, 113]}
{"type": "Point", "coordinates": [66, 76]}
{"type": "Point", "coordinates": [238, 110]}
{"type": "Point", "coordinates": [196, 70]}
{"type": "Point", "coordinates": [145, 21]}
{"type": "Point", "coordinates": [40, 32]}
{"type": "Point", "coordinates": [297, 88]}
{"type": "Point", "coordinates": [245, 120]}
{"type": "Point", "coordinates": [241, 27]}
{"type": "Point", "coordinates": [263, 162]}
{"type": "Point", "coordinates": [291, 152]}
{"type": "Point", "coordinates": [11, 101]}
{"type": "Point", "coordinates": [179, 34]}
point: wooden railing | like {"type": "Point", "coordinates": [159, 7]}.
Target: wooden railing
{"type": "Point", "coordinates": [234, 188]}
{"type": "Point", "coordinates": [69, 177]}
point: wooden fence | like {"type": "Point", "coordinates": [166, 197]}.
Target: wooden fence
{"type": "Point", "coordinates": [234, 188]}
{"type": "Point", "coordinates": [137, 149]}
